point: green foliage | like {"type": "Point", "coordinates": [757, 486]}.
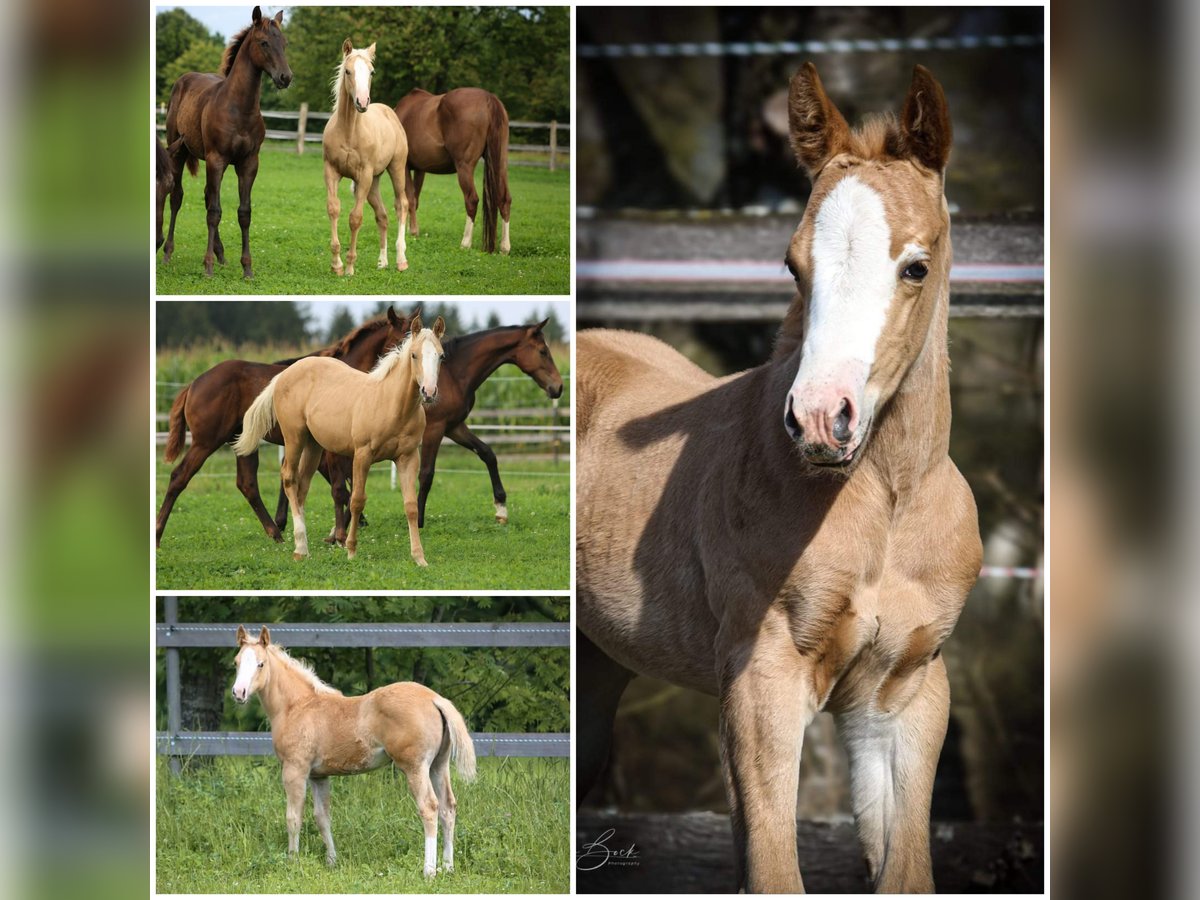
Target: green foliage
{"type": "Point", "coordinates": [289, 236]}
{"type": "Point", "coordinates": [342, 323]}
{"type": "Point", "coordinates": [235, 321]}
{"type": "Point", "coordinates": [521, 55]}
{"type": "Point", "coordinates": [179, 37]}
{"type": "Point", "coordinates": [220, 829]}
{"type": "Point", "coordinates": [201, 56]}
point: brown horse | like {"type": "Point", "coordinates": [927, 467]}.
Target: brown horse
{"type": "Point", "coordinates": [216, 118]}
{"type": "Point", "coordinates": [164, 179]}
{"type": "Point", "coordinates": [470, 360]}
{"type": "Point", "coordinates": [213, 405]}
{"type": "Point", "coordinates": [449, 133]}
{"type": "Point", "coordinates": [321, 403]}
{"type": "Point", "coordinates": [317, 732]}
{"type": "Point", "coordinates": [795, 538]}
{"type": "Point", "coordinates": [362, 140]}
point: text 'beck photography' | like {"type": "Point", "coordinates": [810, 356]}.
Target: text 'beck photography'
{"type": "Point", "coordinates": [791, 221]}
{"type": "Point", "coordinates": [453, 714]}
{"type": "Point", "coordinates": [409, 447]}
{"type": "Point", "coordinates": [299, 125]}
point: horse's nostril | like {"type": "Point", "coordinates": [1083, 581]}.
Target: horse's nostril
{"type": "Point", "coordinates": [841, 424]}
{"type": "Point", "coordinates": [793, 425]}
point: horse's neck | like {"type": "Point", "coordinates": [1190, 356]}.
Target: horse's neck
{"type": "Point", "coordinates": [345, 117]}
{"type": "Point", "coordinates": [364, 354]}
{"type": "Point", "coordinates": [475, 361]}
{"type": "Point", "coordinates": [398, 387]}
{"type": "Point", "coordinates": [283, 689]}
{"type": "Point", "coordinates": [245, 79]}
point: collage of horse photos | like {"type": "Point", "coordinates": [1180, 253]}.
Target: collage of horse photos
{"type": "Point", "coordinates": [647, 540]}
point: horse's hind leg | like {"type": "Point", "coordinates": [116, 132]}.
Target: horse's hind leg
{"type": "Point", "coordinates": [427, 807]}
{"type": "Point", "coordinates": [407, 466]}
{"type": "Point", "coordinates": [214, 170]}
{"type": "Point", "coordinates": [294, 449]}
{"type": "Point", "coordinates": [247, 482]}
{"type": "Point", "coordinates": [310, 458]}
{"type": "Point", "coordinates": [431, 442]}
{"type": "Point", "coordinates": [180, 476]}
{"type": "Point", "coordinates": [400, 189]}
{"type": "Point", "coordinates": [338, 469]}
{"type": "Point", "coordinates": [358, 497]}
{"type": "Point", "coordinates": [320, 795]}
{"type": "Point", "coordinates": [466, 181]}
{"type": "Point", "coordinates": [893, 757]}
{"type": "Point", "coordinates": [381, 220]}
{"type": "Point", "coordinates": [333, 207]}
{"type": "Point", "coordinates": [505, 211]}
{"type": "Point", "coordinates": [177, 168]}
{"type": "Point", "coordinates": [464, 437]}
{"type": "Point", "coordinates": [412, 190]}
{"type": "Point", "coordinates": [600, 684]}
{"type": "Point", "coordinates": [439, 775]}
{"type": "Point", "coordinates": [247, 171]}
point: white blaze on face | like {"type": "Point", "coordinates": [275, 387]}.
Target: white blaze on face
{"type": "Point", "coordinates": [853, 279]}
{"type": "Point", "coordinates": [246, 670]}
{"type": "Point", "coordinates": [362, 82]}
{"type": "Point", "coordinates": [430, 363]}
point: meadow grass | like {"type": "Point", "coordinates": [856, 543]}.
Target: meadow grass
{"type": "Point", "coordinates": [214, 541]}
{"type": "Point", "coordinates": [289, 237]}
{"type": "Point", "coordinates": [220, 828]}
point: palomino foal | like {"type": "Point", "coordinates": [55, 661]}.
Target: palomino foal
{"type": "Point", "coordinates": [318, 732]}
{"type": "Point", "coordinates": [795, 538]}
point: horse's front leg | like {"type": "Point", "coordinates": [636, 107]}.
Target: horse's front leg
{"type": "Point", "coordinates": [295, 784]}
{"type": "Point", "coordinates": [397, 171]}
{"type": "Point", "coordinates": [214, 170]}
{"type": "Point", "coordinates": [358, 497]}
{"type": "Point", "coordinates": [247, 171]}
{"type": "Point", "coordinates": [412, 190]}
{"type": "Point", "coordinates": [406, 467]}
{"type": "Point", "coordinates": [177, 168]}
{"type": "Point", "coordinates": [765, 706]}
{"type": "Point", "coordinates": [893, 741]}
{"type": "Point", "coordinates": [375, 198]}
{"type": "Point", "coordinates": [464, 437]}
{"type": "Point", "coordinates": [333, 206]}
{"type": "Point", "coordinates": [431, 442]}
{"type": "Point", "coordinates": [362, 187]}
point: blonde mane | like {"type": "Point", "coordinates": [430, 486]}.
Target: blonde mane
{"type": "Point", "coordinates": [303, 668]}
{"type": "Point", "coordinates": [389, 360]}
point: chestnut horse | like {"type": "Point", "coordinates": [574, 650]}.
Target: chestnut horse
{"type": "Point", "coordinates": [362, 140]}
{"type": "Point", "coordinates": [470, 360]}
{"type": "Point", "coordinates": [321, 403]}
{"type": "Point", "coordinates": [164, 180]}
{"type": "Point", "coordinates": [795, 538]}
{"type": "Point", "coordinates": [212, 407]}
{"type": "Point", "coordinates": [318, 732]}
{"type": "Point", "coordinates": [449, 133]}
{"type": "Point", "coordinates": [216, 118]}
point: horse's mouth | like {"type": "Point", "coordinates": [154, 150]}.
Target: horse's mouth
{"type": "Point", "coordinates": [359, 107]}
{"type": "Point", "coordinates": [554, 391]}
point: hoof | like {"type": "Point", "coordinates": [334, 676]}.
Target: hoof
{"type": "Point", "coordinates": [503, 520]}
{"type": "Point", "coordinates": [298, 557]}
{"type": "Point", "coordinates": [401, 266]}
{"type": "Point", "coordinates": [336, 271]}
{"type": "Point", "coordinates": [247, 275]}
{"type": "Point", "coordinates": [448, 870]}
{"type": "Point", "coordinates": [420, 560]}
{"type": "Point", "coordinates": [330, 539]}
{"type": "Point", "coordinates": [350, 554]}
{"type": "Point", "coordinates": [331, 861]}
{"type": "Point", "coordinates": [278, 538]}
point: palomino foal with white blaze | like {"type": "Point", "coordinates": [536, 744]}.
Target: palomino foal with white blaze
{"type": "Point", "coordinates": [795, 538]}
{"type": "Point", "coordinates": [322, 404]}
{"type": "Point", "coordinates": [318, 732]}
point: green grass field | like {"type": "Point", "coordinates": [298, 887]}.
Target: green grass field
{"type": "Point", "coordinates": [289, 237]}
{"type": "Point", "coordinates": [221, 829]}
{"type": "Point", "coordinates": [214, 541]}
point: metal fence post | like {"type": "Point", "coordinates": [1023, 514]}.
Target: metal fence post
{"type": "Point", "coordinates": [553, 141]}
{"type": "Point", "coordinates": [174, 715]}
{"type": "Point", "coordinates": [301, 128]}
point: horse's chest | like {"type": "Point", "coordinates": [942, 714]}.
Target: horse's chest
{"type": "Point", "coordinates": [346, 159]}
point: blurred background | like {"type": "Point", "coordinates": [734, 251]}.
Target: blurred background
{"type": "Point", "coordinates": [690, 193]}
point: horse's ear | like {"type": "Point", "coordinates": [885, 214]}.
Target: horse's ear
{"type": "Point", "coordinates": [371, 52]}
{"type": "Point", "coordinates": [347, 47]}
{"type": "Point", "coordinates": [391, 317]}
{"type": "Point", "coordinates": [925, 121]}
{"type": "Point", "coordinates": [279, 17]}
{"type": "Point", "coordinates": [540, 325]}
{"type": "Point", "coordinates": [414, 324]}
{"type": "Point", "coordinates": [818, 131]}
{"type": "Point", "coordinates": [264, 636]}
{"type": "Point", "coordinates": [256, 16]}
{"type": "Point", "coordinates": [439, 327]}
{"type": "Point", "coordinates": [242, 637]}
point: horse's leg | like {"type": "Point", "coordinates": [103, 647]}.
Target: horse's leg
{"type": "Point", "coordinates": [320, 795]}
{"type": "Point", "coordinates": [466, 181]}
{"type": "Point", "coordinates": [375, 198]}
{"type": "Point", "coordinates": [765, 707]}
{"type": "Point", "coordinates": [362, 187]}
{"type": "Point", "coordinates": [333, 206]}
{"type": "Point", "coordinates": [893, 757]}
{"type": "Point", "coordinates": [247, 482]}
{"type": "Point", "coordinates": [310, 458]}
{"type": "Point", "coordinates": [439, 774]}
{"type": "Point", "coordinates": [295, 784]}
{"type": "Point", "coordinates": [337, 470]}
{"type": "Point", "coordinates": [464, 437]}
{"type": "Point", "coordinates": [427, 807]}
{"type": "Point", "coordinates": [281, 508]}
{"type": "Point", "coordinates": [600, 684]}
{"type": "Point", "coordinates": [214, 171]}
{"type": "Point", "coordinates": [407, 466]}
{"type": "Point", "coordinates": [358, 496]}
{"type": "Point", "coordinates": [431, 442]}
{"type": "Point", "coordinates": [400, 189]}
{"type": "Point", "coordinates": [247, 171]}
{"type": "Point", "coordinates": [180, 476]}
{"type": "Point", "coordinates": [289, 473]}
{"type": "Point", "coordinates": [177, 168]}
{"type": "Point", "coordinates": [505, 211]}
{"type": "Point", "coordinates": [412, 190]}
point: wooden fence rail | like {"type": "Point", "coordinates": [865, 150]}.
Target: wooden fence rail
{"type": "Point", "coordinates": [556, 156]}
{"type": "Point", "coordinates": [171, 635]}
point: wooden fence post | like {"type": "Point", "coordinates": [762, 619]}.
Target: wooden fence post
{"type": "Point", "coordinates": [174, 715]}
{"type": "Point", "coordinates": [553, 141]}
{"type": "Point", "coordinates": [301, 128]}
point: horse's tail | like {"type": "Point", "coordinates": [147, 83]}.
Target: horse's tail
{"type": "Point", "coordinates": [258, 420]}
{"type": "Point", "coordinates": [177, 426]}
{"type": "Point", "coordinates": [495, 171]}
{"type": "Point", "coordinates": [462, 748]}
{"type": "Point", "coordinates": [192, 163]}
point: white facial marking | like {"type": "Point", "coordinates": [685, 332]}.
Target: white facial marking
{"type": "Point", "coordinates": [429, 366]}
{"type": "Point", "coordinates": [247, 667]}
{"type": "Point", "coordinates": [362, 81]}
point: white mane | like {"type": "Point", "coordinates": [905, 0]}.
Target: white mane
{"type": "Point", "coordinates": [304, 669]}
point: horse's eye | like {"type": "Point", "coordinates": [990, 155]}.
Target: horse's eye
{"type": "Point", "coordinates": [544, 352]}
{"type": "Point", "coordinates": [915, 271]}
{"type": "Point", "coordinates": [264, 44]}
{"type": "Point", "coordinates": [260, 665]}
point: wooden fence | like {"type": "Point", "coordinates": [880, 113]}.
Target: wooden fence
{"type": "Point", "coordinates": [171, 635]}
{"type": "Point", "coordinates": [557, 156]}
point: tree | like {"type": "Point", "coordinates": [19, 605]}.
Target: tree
{"type": "Point", "coordinates": [553, 330]}
{"type": "Point", "coordinates": [202, 55]}
{"type": "Point", "coordinates": [343, 323]}
{"type": "Point", "coordinates": [174, 33]}
{"type": "Point", "coordinates": [236, 321]}
{"type": "Point", "coordinates": [493, 320]}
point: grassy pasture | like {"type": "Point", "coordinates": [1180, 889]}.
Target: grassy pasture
{"type": "Point", "coordinates": [289, 236]}
{"type": "Point", "coordinates": [220, 829]}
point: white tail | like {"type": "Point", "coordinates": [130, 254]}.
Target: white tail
{"type": "Point", "coordinates": [462, 748]}
{"type": "Point", "coordinates": [259, 419]}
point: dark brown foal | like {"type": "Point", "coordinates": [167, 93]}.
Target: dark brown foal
{"type": "Point", "coordinates": [216, 118]}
